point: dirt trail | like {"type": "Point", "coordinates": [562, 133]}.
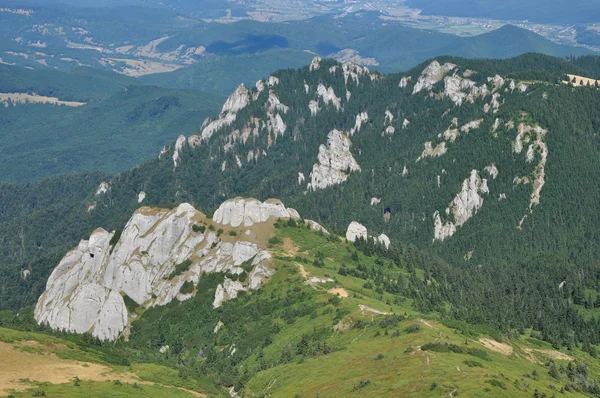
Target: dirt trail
{"type": "Point", "coordinates": [373, 310]}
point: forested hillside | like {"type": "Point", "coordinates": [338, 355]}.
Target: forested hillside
{"type": "Point", "coordinates": [489, 191]}
{"type": "Point", "coordinates": [119, 123]}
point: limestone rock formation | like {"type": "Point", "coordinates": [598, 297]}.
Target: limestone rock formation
{"type": "Point", "coordinates": [355, 231]}
{"type": "Point", "coordinates": [87, 291]}
{"type": "Point", "coordinates": [335, 159]}
{"type": "Point", "coordinates": [177, 152]}
{"type": "Point", "coordinates": [237, 101]}
{"type": "Point", "coordinates": [358, 231]}
{"type": "Point", "coordinates": [247, 212]}
{"type": "Point", "coordinates": [328, 95]}
{"type": "Point", "coordinates": [431, 75]}
{"type": "Point", "coordinates": [466, 204]}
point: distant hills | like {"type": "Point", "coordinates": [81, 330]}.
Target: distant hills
{"type": "Point", "coordinates": [391, 48]}
{"type": "Point", "coordinates": [552, 11]}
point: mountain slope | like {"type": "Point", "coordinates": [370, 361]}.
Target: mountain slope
{"type": "Point", "coordinates": [389, 48]}
{"type": "Point", "coordinates": [481, 172]}
{"type": "Point", "coordinates": [333, 319]}
{"type": "Point", "coordinates": [120, 126]}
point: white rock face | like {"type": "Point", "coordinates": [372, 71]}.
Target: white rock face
{"type": "Point", "coordinates": [273, 81]}
{"type": "Point", "coordinates": [314, 107]}
{"type": "Point", "coordinates": [275, 104]}
{"type": "Point", "coordinates": [383, 240]}
{"type": "Point", "coordinates": [375, 201]}
{"type": "Point", "coordinates": [497, 82]}
{"type": "Point", "coordinates": [405, 123]}
{"type": "Point", "coordinates": [430, 152]}
{"type": "Point", "coordinates": [102, 189]}
{"type": "Point", "coordinates": [249, 211]}
{"type": "Point", "coordinates": [328, 95]}
{"type": "Point", "coordinates": [301, 178]}
{"type": "Point", "coordinates": [431, 75]}
{"type": "Point", "coordinates": [354, 72]}
{"type": "Point", "coordinates": [141, 196]}
{"type": "Point", "coordinates": [85, 291]}
{"type": "Point", "coordinates": [315, 226]}
{"type": "Point", "coordinates": [356, 231]}
{"type": "Point", "coordinates": [228, 290]}
{"type": "Point", "coordinates": [404, 81]}
{"type": "Point", "coordinates": [466, 204]}
{"type": "Point", "coordinates": [177, 152]}
{"type": "Point", "coordinates": [237, 101]}
{"type": "Point", "coordinates": [361, 118]}
{"type": "Point", "coordinates": [389, 117]}
{"type": "Point", "coordinates": [315, 64]}
{"type": "Point", "coordinates": [534, 137]}
{"type": "Point", "coordinates": [492, 170]}
{"type": "Point", "coordinates": [335, 159]}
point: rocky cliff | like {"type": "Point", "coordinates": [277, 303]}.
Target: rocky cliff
{"type": "Point", "coordinates": [159, 257]}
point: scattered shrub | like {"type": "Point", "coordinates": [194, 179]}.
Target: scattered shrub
{"type": "Point", "coordinates": [276, 240]}
{"type": "Point", "coordinates": [187, 287]}
{"type": "Point", "coordinates": [180, 268]}
{"type": "Point", "coordinates": [232, 233]}
{"type": "Point", "coordinates": [198, 228]}
{"type": "Point", "coordinates": [378, 357]}
{"type": "Point", "coordinates": [361, 384]}
{"type": "Point", "coordinates": [414, 328]}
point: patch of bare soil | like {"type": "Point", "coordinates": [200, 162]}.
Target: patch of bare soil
{"type": "Point", "coordinates": [289, 246]}
{"type": "Point", "coordinates": [339, 292]}
{"type": "Point", "coordinates": [553, 354]}
{"type": "Point", "coordinates": [495, 346]}
{"type": "Point", "coordinates": [45, 367]}
{"type": "Point", "coordinates": [373, 310]}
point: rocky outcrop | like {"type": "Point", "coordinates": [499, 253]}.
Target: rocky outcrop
{"type": "Point", "coordinates": [237, 101]}
{"type": "Point", "coordinates": [177, 151]}
{"type": "Point", "coordinates": [361, 118]}
{"type": "Point", "coordinates": [431, 75]}
{"type": "Point", "coordinates": [314, 107]}
{"type": "Point", "coordinates": [315, 226]}
{"type": "Point", "coordinates": [301, 178]}
{"type": "Point", "coordinates": [404, 81]}
{"type": "Point", "coordinates": [315, 64]}
{"type": "Point", "coordinates": [534, 138]}
{"type": "Point", "coordinates": [328, 96]}
{"type": "Point", "coordinates": [466, 204]}
{"type": "Point", "coordinates": [356, 231]}
{"type": "Point", "coordinates": [88, 289]}
{"type": "Point", "coordinates": [248, 211]}
{"type": "Point", "coordinates": [103, 188]}
{"type": "Point", "coordinates": [431, 152]}
{"type": "Point", "coordinates": [141, 196]}
{"type": "Point", "coordinates": [335, 159]}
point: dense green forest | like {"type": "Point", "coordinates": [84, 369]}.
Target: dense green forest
{"type": "Point", "coordinates": [121, 124]}
{"type": "Point", "coordinates": [490, 272]}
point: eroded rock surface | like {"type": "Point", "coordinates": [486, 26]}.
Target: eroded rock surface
{"type": "Point", "coordinates": [86, 291]}
{"type": "Point", "coordinates": [335, 159]}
